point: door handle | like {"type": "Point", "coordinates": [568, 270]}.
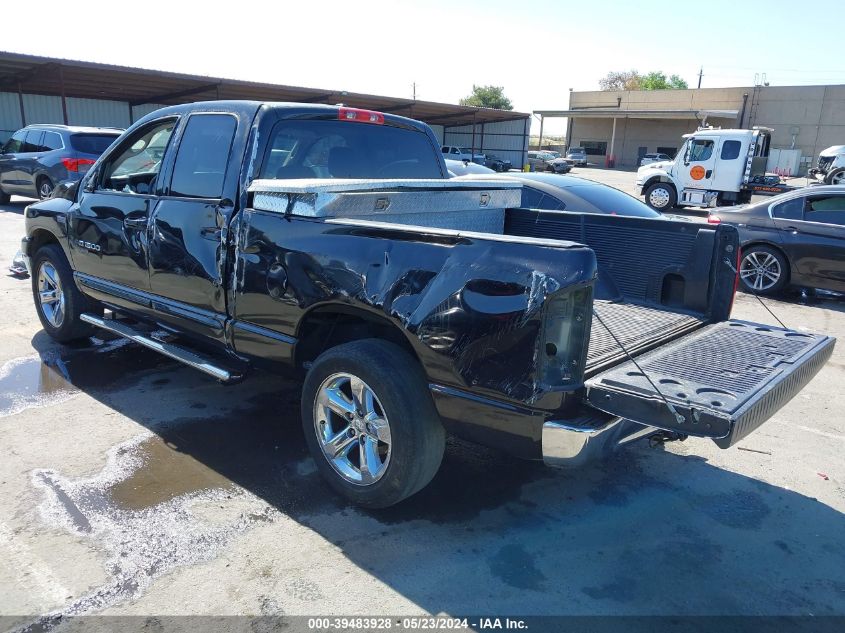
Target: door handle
{"type": "Point", "coordinates": [708, 173]}
{"type": "Point", "coordinates": [792, 229]}
{"type": "Point", "coordinates": [135, 222]}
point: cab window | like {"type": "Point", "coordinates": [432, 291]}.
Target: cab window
{"type": "Point", "coordinates": [137, 161]}
{"type": "Point", "coordinates": [700, 150]}
{"type": "Point", "coordinates": [203, 156]}
{"type": "Point", "coordinates": [730, 150]}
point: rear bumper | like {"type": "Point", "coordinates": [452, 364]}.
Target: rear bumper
{"type": "Point", "coordinates": [568, 446]}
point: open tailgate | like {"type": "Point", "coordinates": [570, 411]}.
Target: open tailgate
{"type": "Point", "coordinates": [723, 380]}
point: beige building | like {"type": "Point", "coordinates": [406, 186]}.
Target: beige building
{"type": "Point", "coordinates": [625, 125]}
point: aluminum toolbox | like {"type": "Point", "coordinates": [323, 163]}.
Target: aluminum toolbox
{"type": "Point", "coordinates": [723, 380]}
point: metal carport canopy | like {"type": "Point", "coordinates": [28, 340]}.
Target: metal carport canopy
{"type": "Point", "coordinates": [615, 113]}
{"type": "Point", "coordinates": [136, 86]}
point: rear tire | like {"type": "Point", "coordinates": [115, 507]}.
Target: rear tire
{"type": "Point", "coordinates": [661, 196]}
{"type": "Point", "coordinates": [763, 270]}
{"type": "Point", "coordinates": [45, 187]}
{"type": "Point", "coordinates": [380, 466]}
{"type": "Point", "coordinates": [836, 177]}
{"type": "Point", "coordinates": [58, 301]}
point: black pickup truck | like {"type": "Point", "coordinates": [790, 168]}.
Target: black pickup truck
{"type": "Point", "coordinates": [239, 237]}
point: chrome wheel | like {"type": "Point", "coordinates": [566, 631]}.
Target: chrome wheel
{"type": "Point", "coordinates": [659, 197]}
{"type": "Point", "coordinates": [838, 178]}
{"type": "Point", "coordinates": [352, 428]}
{"type": "Point", "coordinates": [760, 270]}
{"type": "Point", "coordinates": [50, 294]}
{"type": "Point", "coordinates": [45, 189]}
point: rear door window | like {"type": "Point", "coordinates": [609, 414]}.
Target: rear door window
{"type": "Point", "coordinates": [52, 141]}
{"type": "Point", "coordinates": [91, 143]}
{"type": "Point", "coordinates": [610, 201]}
{"type": "Point", "coordinates": [789, 210]}
{"type": "Point", "coordinates": [203, 155]}
{"type": "Point", "coordinates": [342, 149]}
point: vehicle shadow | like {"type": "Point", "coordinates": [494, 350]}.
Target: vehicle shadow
{"type": "Point", "coordinates": [806, 297]}
{"type": "Point", "coordinates": [649, 531]}
{"type": "Point", "coordinates": [16, 206]}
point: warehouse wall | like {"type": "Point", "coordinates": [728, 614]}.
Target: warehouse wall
{"type": "Point", "coordinates": [505, 139]}
{"type": "Point", "coordinates": [48, 109]}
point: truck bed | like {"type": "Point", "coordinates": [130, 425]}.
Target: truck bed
{"type": "Point", "coordinates": [637, 327]}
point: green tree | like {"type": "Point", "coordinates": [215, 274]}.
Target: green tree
{"type": "Point", "coordinates": [488, 97]}
{"type": "Point", "coordinates": [657, 80]}
{"type": "Point", "coordinates": [633, 80]}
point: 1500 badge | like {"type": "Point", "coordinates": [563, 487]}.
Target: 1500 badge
{"type": "Point", "coordinates": [89, 245]}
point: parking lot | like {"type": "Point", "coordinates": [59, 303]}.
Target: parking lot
{"type": "Point", "coordinates": [133, 485]}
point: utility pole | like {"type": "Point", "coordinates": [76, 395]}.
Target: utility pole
{"type": "Point", "coordinates": [415, 90]}
{"type": "Point", "coordinates": [700, 75]}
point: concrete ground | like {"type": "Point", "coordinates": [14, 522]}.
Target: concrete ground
{"type": "Point", "coordinates": [132, 485]}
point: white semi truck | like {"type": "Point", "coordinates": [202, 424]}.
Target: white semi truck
{"type": "Point", "coordinates": [713, 167]}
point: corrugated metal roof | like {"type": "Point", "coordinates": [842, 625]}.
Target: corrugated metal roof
{"type": "Point", "coordinates": [53, 77]}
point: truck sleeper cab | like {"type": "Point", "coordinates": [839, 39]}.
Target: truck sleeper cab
{"type": "Point", "coordinates": [327, 240]}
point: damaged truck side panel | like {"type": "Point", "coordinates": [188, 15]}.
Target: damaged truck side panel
{"type": "Point", "coordinates": [236, 236]}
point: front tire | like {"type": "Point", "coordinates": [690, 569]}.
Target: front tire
{"type": "Point", "coordinates": [836, 177]}
{"type": "Point", "coordinates": [763, 270]}
{"type": "Point", "coordinates": [5, 198]}
{"type": "Point", "coordinates": [661, 196]}
{"type": "Point", "coordinates": [58, 301]}
{"type": "Point", "coordinates": [370, 423]}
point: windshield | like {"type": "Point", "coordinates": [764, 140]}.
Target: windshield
{"type": "Point", "coordinates": [576, 150]}
{"type": "Point", "coordinates": [339, 149]}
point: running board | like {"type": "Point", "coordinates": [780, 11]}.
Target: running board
{"type": "Point", "coordinates": [189, 358]}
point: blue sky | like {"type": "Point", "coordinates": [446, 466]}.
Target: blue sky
{"type": "Point", "coordinates": [536, 50]}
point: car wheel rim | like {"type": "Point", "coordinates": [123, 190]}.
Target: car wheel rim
{"type": "Point", "coordinates": [45, 190]}
{"type": "Point", "coordinates": [838, 179]}
{"type": "Point", "coordinates": [352, 429]}
{"type": "Point", "coordinates": [50, 295]}
{"type": "Point", "coordinates": [760, 270]}
{"type": "Point", "coordinates": [659, 197]}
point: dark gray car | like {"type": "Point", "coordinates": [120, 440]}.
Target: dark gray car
{"type": "Point", "coordinates": [796, 239]}
{"type": "Point", "coordinates": [38, 157]}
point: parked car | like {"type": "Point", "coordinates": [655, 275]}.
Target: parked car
{"type": "Point", "coordinates": [648, 159]}
{"type": "Point", "coordinates": [553, 192]}
{"type": "Point", "coordinates": [414, 304]}
{"type": "Point", "coordinates": [578, 155]}
{"type": "Point", "coordinates": [38, 157]}
{"type": "Point", "coordinates": [462, 153]}
{"type": "Point", "coordinates": [793, 239]}
{"type": "Point", "coordinates": [497, 164]}
{"type": "Point", "coordinates": [544, 161]}
{"type": "Point", "coordinates": [464, 167]}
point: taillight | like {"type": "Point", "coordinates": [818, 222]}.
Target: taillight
{"type": "Point", "coordinates": [77, 164]}
{"type": "Point", "coordinates": [713, 219]}
{"type": "Point", "coordinates": [736, 280]}
{"type": "Point", "coordinates": [360, 116]}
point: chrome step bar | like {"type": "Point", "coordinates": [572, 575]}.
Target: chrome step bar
{"type": "Point", "coordinates": [189, 358]}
